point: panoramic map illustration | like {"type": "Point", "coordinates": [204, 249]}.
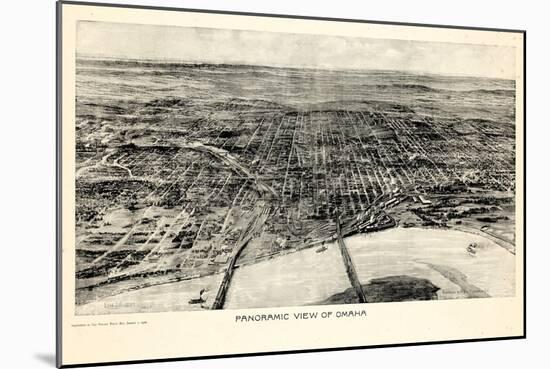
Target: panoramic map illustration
{"type": "Point", "coordinates": [288, 178]}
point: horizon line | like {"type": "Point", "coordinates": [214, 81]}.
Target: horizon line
{"type": "Point", "coordinates": [325, 68]}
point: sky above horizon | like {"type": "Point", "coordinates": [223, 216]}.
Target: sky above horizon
{"type": "Point", "coordinates": [208, 45]}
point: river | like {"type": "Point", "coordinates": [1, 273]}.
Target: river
{"type": "Point", "coordinates": [306, 277]}
{"type": "Point", "coordinates": [438, 255]}
{"type": "Point", "coordinates": [299, 278]}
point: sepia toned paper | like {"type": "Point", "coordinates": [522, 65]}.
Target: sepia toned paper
{"type": "Point", "coordinates": [243, 184]}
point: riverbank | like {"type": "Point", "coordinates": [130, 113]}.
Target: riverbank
{"type": "Point", "coordinates": [305, 276]}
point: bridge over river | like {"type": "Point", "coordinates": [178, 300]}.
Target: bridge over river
{"type": "Point", "coordinates": [350, 267]}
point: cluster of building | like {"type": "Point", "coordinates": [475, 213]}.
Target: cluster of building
{"type": "Point", "coordinates": [320, 164]}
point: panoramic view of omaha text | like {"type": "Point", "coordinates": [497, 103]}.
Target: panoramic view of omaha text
{"type": "Point", "coordinates": [225, 169]}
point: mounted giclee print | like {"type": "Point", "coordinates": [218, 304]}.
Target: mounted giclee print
{"type": "Point", "coordinates": [239, 184]}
